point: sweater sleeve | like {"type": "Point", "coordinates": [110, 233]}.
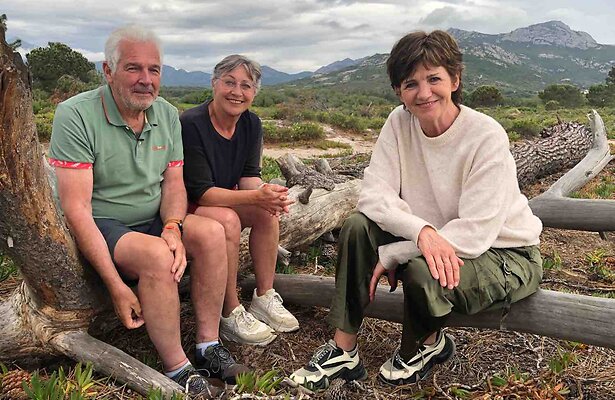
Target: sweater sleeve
{"type": "Point", "coordinates": [380, 197]}
{"type": "Point", "coordinates": [488, 193]}
{"type": "Point", "coordinates": [380, 200]}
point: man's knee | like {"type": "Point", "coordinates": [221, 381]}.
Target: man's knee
{"type": "Point", "coordinates": [156, 263]}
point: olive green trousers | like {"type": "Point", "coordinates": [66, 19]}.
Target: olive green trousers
{"type": "Point", "coordinates": [495, 279]}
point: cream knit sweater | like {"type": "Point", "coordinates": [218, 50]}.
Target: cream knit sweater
{"type": "Point", "coordinates": [463, 183]}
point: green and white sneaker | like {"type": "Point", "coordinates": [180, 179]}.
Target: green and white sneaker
{"type": "Point", "coordinates": [329, 362]}
{"type": "Point", "coordinates": [397, 371]}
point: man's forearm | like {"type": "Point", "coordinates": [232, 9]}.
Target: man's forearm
{"type": "Point", "coordinates": [174, 202]}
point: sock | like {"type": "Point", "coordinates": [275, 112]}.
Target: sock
{"type": "Point", "coordinates": [171, 374]}
{"type": "Point", "coordinates": [204, 345]}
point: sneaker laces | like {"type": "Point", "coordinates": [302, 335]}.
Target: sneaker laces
{"type": "Point", "coordinates": [196, 382]}
{"type": "Point", "coordinates": [320, 352]}
{"type": "Point", "coordinates": [404, 363]}
{"type": "Point", "coordinates": [223, 355]}
{"type": "Point", "coordinates": [275, 303]}
{"type": "Point", "coordinates": [246, 317]}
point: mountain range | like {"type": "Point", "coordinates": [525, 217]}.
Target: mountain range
{"type": "Point", "coordinates": [180, 77]}
{"type": "Point", "coordinates": [520, 62]}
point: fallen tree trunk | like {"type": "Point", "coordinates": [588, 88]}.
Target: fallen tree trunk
{"type": "Point", "coordinates": [559, 148]}
{"type": "Point", "coordinates": [565, 316]}
{"type": "Point", "coordinates": [558, 211]}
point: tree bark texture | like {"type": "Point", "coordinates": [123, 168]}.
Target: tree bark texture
{"type": "Point", "coordinates": [559, 148]}
{"type": "Point", "coordinates": [565, 316]}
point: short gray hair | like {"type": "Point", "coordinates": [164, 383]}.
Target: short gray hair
{"type": "Point", "coordinates": [233, 61]}
{"type": "Point", "coordinates": [135, 33]}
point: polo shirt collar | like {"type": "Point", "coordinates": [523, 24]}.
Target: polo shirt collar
{"type": "Point", "coordinates": [113, 114]}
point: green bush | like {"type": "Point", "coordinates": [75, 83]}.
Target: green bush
{"type": "Point", "coordinates": [306, 131]}
{"type": "Point", "coordinates": [552, 105]}
{"type": "Point", "coordinates": [269, 169]}
{"type": "Point", "coordinates": [485, 96]}
{"type": "Point", "coordinates": [526, 128]}
{"type": "Point", "coordinates": [343, 121]}
{"type": "Point", "coordinates": [44, 123]}
{"type": "Point", "coordinates": [566, 95]}
{"type": "Point", "coordinates": [197, 97]}
{"type": "Point", "coordinates": [297, 132]}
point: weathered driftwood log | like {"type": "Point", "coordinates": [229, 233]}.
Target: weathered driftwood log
{"type": "Point", "coordinates": [559, 148]}
{"type": "Point", "coordinates": [558, 211]}
{"type": "Point", "coordinates": [565, 316]}
{"type": "Point", "coordinates": [49, 313]}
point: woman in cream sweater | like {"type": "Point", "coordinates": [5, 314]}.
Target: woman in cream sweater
{"type": "Point", "coordinates": [441, 209]}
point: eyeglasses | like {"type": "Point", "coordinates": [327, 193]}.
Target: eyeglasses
{"type": "Point", "coordinates": [245, 86]}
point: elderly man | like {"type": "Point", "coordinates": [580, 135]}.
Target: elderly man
{"type": "Point", "coordinates": [118, 157]}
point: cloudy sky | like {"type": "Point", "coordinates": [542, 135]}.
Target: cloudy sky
{"type": "Point", "coordinates": [290, 36]}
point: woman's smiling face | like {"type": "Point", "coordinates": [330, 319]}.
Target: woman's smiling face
{"type": "Point", "coordinates": [427, 94]}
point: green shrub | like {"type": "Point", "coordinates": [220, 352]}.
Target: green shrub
{"type": "Point", "coordinates": [197, 97]}
{"type": "Point", "coordinates": [526, 127]}
{"type": "Point", "coordinates": [306, 131]}
{"type": "Point", "coordinates": [269, 169]}
{"type": "Point", "coordinates": [44, 123]}
{"type": "Point", "coordinates": [485, 96]}
{"type": "Point", "coordinates": [552, 105]}
{"type": "Point", "coordinates": [566, 95]}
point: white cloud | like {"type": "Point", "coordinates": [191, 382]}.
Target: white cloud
{"type": "Point", "coordinates": [289, 36]}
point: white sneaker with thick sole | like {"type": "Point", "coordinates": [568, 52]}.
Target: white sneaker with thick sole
{"type": "Point", "coordinates": [269, 309]}
{"type": "Point", "coordinates": [328, 363]}
{"type": "Point", "coordinates": [242, 327]}
{"type": "Point", "coordinates": [397, 371]}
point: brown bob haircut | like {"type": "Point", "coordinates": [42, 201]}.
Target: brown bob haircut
{"type": "Point", "coordinates": [436, 49]}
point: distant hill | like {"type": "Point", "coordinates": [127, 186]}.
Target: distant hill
{"type": "Point", "coordinates": [179, 77]}
{"type": "Point", "coordinates": [520, 62]}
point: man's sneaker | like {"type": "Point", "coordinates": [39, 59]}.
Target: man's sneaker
{"type": "Point", "coordinates": [196, 385]}
{"type": "Point", "coordinates": [242, 327]}
{"type": "Point", "coordinates": [329, 362]}
{"type": "Point", "coordinates": [217, 362]}
{"type": "Point", "coordinates": [395, 371]}
{"type": "Point", "coordinates": [269, 309]}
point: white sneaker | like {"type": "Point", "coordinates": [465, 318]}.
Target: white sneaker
{"type": "Point", "coordinates": [242, 327]}
{"type": "Point", "coordinates": [269, 309]}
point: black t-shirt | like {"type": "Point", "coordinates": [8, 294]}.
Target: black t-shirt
{"type": "Point", "coordinates": [213, 160]}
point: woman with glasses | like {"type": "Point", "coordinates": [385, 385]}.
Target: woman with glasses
{"type": "Point", "coordinates": [223, 143]}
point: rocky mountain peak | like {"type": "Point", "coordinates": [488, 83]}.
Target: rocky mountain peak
{"type": "Point", "coordinates": [553, 33]}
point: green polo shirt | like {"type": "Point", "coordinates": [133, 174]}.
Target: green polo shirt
{"type": "Point", "coordinates": [89, 132]}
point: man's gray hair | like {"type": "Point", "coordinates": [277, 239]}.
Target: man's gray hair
{"type": "Point", "coordinates": [134, 33]}
{"type": "Point", "coordinates": [233, 61]}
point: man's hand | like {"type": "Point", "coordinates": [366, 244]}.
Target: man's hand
{"type": "Point", "coordinates": [440, 256]}
{"type": "Point", "coordinates": [127, 306]}
{"type": "Point", "coordinates": [274, 198]}
{"type": "Point", "coordinates": [378, 272]}
{"type": "Point", "coordinates": [173, 239]}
